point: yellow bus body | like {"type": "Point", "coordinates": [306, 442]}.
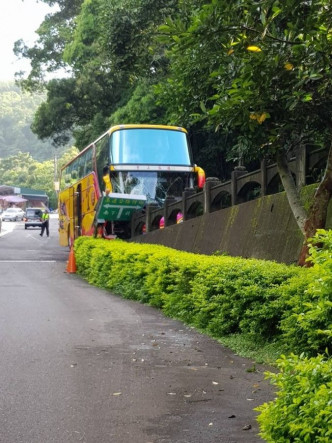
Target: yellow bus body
{"type": "Point", "coordinates": [69, 226]}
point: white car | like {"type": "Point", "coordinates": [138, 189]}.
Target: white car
{"type": "Point", "coordinates": [13, 214]}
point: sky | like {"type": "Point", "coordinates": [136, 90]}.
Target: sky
{"type": "Point", "coordinates": [18, 20]}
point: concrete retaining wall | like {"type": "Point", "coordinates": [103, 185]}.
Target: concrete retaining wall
{"type": "Point", "coordinates": [264, 228]}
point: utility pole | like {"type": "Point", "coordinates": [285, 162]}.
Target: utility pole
{"type": "Point", "coordinates": [56, 179]}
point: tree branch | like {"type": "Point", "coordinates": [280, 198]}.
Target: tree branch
{"type": "Point", "coordinates": [271, 37]}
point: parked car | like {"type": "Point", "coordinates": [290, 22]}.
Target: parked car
{"type": "Point", "coordinates": [13, 214]}
{"type": "Point", "coordinates": [33, 217]}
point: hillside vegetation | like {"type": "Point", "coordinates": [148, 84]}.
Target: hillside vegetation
{"type": "Point", "coordinates": [22, 170]}
{"type": "Point", "coordinates": [17, 109]}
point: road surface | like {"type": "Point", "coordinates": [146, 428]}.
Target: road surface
{"type": "Point", "coordinates": [79, 364]}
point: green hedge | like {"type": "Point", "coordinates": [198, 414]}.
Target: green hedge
{"type": "Point", "coordinates": [302, 411]}
{"type": "Point", "coordinates": [307, 320]}
{"type": "Point", "coordinates": [227, 295]}
{"type": "Point", "coordinates": [221, 295]}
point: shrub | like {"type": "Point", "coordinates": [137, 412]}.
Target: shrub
{"type": "Point", "coordinates": [302, 411]}
{"type": "Point", "coordinates": [221, 295]}
{"type": "Point", "coordinates": [230, 295]}
{"type": "Point", "coordinates": [307, 321]}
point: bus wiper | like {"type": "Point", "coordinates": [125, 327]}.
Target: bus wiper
{"type": "Point", "coordinates": [172, 184]}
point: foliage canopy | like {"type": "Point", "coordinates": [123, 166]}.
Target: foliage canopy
{"type": "Point", "coordinates": [250, 79]}
{"type": "Point", "coordinates": [258, 73]}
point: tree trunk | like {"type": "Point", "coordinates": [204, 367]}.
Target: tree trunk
{"type": "Point", "coordinates": [292, 194]}
{"type": "Point", "coordinates": [316, 218]}
{"type": "Point", "coordinates": [318, 211]}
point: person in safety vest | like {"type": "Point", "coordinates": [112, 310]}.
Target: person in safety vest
{"type": "Point", "coordinates": [45, 220]}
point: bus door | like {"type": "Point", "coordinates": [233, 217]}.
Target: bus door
{"type": "Point", "coordinates": [71, 216]}
{"type": "Point", "coordinates": [77, 211]}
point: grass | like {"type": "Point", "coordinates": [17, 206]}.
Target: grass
{"type": "Point", "coordinates": [253, 347]}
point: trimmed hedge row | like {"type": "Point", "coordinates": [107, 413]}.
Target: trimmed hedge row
{"type": "Point", "coordinates": [225, 295]}
{"type": "Point", "coordinates": [221, 295]}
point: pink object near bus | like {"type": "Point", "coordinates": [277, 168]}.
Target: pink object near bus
{"type": "Point", "coordinates": [179, 217]}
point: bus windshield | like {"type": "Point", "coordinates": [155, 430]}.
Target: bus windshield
{"type": "Point", "coordinates": [147, 146]}
{"type": "Point", "coordinates": [156, 185]}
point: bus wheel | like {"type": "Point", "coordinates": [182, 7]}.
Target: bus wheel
{"type": "Point", "coordinates": [98, 231]}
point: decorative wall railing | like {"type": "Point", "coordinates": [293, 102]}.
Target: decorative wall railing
{"type": "Point", "coordinates": [242, 187]}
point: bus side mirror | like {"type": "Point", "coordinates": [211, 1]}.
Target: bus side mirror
{"type": "Point", "coordinates": [200, 176]}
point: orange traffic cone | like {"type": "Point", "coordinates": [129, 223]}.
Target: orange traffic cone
{"type": "Point", "coordinates": [71, 266]}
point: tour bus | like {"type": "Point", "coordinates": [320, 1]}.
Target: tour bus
{"type": "Point", "coordinates": [122, 171]}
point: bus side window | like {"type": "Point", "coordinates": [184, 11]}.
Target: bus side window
{"type": "Point", "coordinates": [80, 167]}
{"type": "Point", "coordinates": [102, 157]}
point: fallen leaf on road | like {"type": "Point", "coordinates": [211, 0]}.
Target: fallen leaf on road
{"type": "Point", "coordinates": [246, 427]}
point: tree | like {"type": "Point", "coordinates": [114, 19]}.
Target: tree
{"type": "Point", "coordinates": [46, 56]}
{"type": "Point", "coordinates": [106, 45]}
{"type": "Point", "coordinates": [268, 71]}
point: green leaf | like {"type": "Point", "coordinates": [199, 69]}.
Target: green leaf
{"type": "Point", "coordinates": [202, 106]}
{"type": "Point", "coordinates": [307, 98]}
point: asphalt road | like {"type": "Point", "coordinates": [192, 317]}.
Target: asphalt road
{"type": "Point", "coordinates": [79, 364]}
